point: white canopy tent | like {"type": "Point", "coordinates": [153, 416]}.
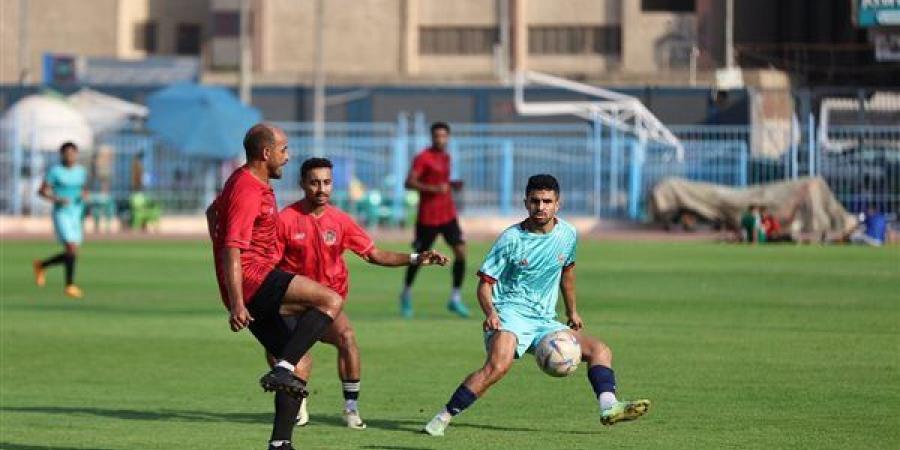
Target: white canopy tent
{"type": "Point", "coordinates": [43, 123]}
{"type": "Point", "coordinates": [106, 113]}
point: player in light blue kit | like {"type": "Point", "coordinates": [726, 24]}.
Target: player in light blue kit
{"type": "Point", "coordinates": [64, 186]}
{"type": "Point", "coordinates": [520, 282]}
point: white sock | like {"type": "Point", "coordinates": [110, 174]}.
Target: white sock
{"type": "Point", "coordinates": [350, 405]}
{"type": "Point", "coordinates": [455, 296]}
{"type": "Point", "coordinates": [286, 365]}
{"type": "Point", "coordinates": [278, 443]}
{"type": "Point", "coordinates": [607, 400]}
{"type": "Point", "coordinates": [445, 415]}
{"type": "Point", "coordinates": [406, 292]}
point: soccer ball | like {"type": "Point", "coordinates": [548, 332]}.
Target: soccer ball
{"type": "Point", "coordinates": [558, 353]}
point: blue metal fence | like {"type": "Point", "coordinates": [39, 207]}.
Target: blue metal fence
{"type": "Point", "coordinates": [603, 171]}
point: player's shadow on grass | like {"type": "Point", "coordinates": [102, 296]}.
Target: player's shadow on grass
{"type": "Point", "coordinates": [11, 446]}
{"type": "Point", "coordinates": [415, 426]}
{"type": "Point", "coordinates": [130, 414]}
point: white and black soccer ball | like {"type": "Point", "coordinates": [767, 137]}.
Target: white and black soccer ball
{"type": "Point", "coordinates": [558, 353]}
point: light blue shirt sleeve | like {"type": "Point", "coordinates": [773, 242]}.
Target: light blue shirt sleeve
{"type": "Point", "coordinates": [496, 260]}
{"type": "Point", "coordinates": [52, 176]}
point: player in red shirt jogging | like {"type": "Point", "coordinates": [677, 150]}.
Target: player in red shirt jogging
{"type": "Point", "coordinates": [430, 176]}
{"type": "Point", "coordinates": [314, 235]}
{"type": "Point", "coordinates": [286, 313]}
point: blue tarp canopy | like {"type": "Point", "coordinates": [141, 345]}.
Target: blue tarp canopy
{"type": "Point", "coordinates": [204, 121]}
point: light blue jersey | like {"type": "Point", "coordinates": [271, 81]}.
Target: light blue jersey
{"type": "Point", "coordinates": [527, 268]}
{"type": "Point", "coordinates": [68, 183]}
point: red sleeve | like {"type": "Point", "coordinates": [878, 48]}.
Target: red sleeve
{"type": "Point", "coordinates": [355, 238]}
{"type": "Point", "coordinates": [241, 211]}
{"type": "Point", "coordinates": [418, 164]}
{"type": "Point", "coordinates": [487, 278]}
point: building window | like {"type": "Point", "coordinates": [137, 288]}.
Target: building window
{"type": "Point", "coordinates": [457, 40]}
{"type": "Point", "coordinates": [145, 37]}
{"type": "Point", "coordinates": [674, 6]}
{"type": "Point", "coordinates": [574, 40]}
{"type": "Point", "coordinates": [187, 39]}
{"type": "Point", "coordinates": [226, 23]}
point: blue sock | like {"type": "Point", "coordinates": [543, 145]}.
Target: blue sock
{"type": "Point", "coordinates": [602, 379]}
{"type": "Point", "coordinates": [460, 400]}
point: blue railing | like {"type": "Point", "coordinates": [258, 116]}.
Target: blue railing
{"type": "Point", "coordinates": [603, 172]}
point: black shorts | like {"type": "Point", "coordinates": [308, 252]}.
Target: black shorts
{"type": "Point", "coordinates": [426, 234]}
{"type": "Point", "coordinates": [270, 328]}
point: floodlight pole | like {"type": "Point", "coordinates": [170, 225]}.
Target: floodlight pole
{"type": "Point", "coordinates": [729, 33]}
{"type": "Point", "coordinates": [319, 85]}
{"type": "Point", "coordinates": [245, 61]}
{"type": "Point", "coordinates": [24, 47]}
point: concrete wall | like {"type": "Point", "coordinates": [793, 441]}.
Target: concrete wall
{"type": "Point", "coordinates": [9, 41]}
{"type": "Point", "coordinates": [103, 28]}
{"type": "Point", "coordinates": [650, 40]}
{"type": "Point", "coordinates": [360, 37]}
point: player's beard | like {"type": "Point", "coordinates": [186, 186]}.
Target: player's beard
{"type": "Point", "coordinates": [276, 174]}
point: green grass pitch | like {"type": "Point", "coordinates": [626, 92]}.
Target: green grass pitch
{"type": "Point", "coordinates": [738, 347]}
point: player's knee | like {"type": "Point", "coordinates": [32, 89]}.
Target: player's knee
{"type": "Point", "coordinates": [332, 304]}
{"type": "Point", "coordinates": [497, 369]}
{"type": "Point", "coordinates": [347, 339]}
{"type": "Point", "coordinates": [600, 352]}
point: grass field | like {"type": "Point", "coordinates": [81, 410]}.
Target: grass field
{"type": "Point", "coordinates": [738, 347]}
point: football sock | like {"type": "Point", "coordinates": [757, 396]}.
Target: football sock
{"type": "Point", "coordinates": [406, 292]}
{"type": "Point", "coordinates": [286, 409]}
{"type": "Point", "coordinates": [607, 400]}
{"type": "Point", "coordinates": [411, 272]}
{"type": "Point", "coordinates": [351, 394]}
{"type": "Point", "coordinates": [455, 296]}
{"type": "Point", "coordinates": [460, 400]}
{"type": "Point", "coordinates": [285, 365]}
{"type": "Point", "coordinates": [55, 259]}
{"type": "Point", "coordinates": [603, 380]}
{"type": "Point", "coordinates": [459, 270]}
{"type": "Point", "coordinates": [310, 326]}
{"type": "Point", "coordinates": [70, 268]}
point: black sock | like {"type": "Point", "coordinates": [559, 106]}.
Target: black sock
{"type": "Point", "coordinates": [310, 326]}
{"type": "Point", "coordinates": [55, 259]}
{"type": "Point", "coordinates": [351, 389]}
{"type": "Point", "coordinates": [69, 261]}
{"type": "Point", "coordinates": [602, 379]}
{"type": "Point", "coordinates": [286, 409]}
{"type": "Point", "coordinates": [411, 272]}
{"type": "Point", "coordinates": [460, 400]}
{"type": "Point", "coordinates": [459, 270]}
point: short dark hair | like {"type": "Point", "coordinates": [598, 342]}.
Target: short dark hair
{"type": "Point", "coordinates": [440, 126]}
{"type": "Point", "coordinates": [314, 163]}
{"type": "Point", "coordinates": [257, 137]}
{"type": "Point", "coordinates": [66, 145]}
{"type": "Point", "coordinates": [542, 182]}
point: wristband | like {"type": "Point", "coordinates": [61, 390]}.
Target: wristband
{"type": "Point", "coordinates": [413, 259]}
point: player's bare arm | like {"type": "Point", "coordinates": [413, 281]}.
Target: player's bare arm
{"type": "Point", "coordinates": [567, 286]}
{"type": "Point", "coordinates": [240, 317]}
{"type": "Point", "coordinates": [211, 220]}
{"type": "Point", "coordinates": [46, 192]}
{"type": "Point", "coordinates": [486, 301]}
{"type": "Point", "coordinates": [388, 258]}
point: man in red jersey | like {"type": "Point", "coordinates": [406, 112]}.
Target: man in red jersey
{"type": "Point", "coordinates": [430, 176]}
{"type": "Point", "coordinates": [315, 235]}
{"type": "Point", "coordinates": [286, 313]}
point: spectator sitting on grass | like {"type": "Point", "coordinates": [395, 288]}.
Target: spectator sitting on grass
{"type": "Point", "coordinates": [751, 225]}
{"type": "Point", "coordinates": [872, 229]}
